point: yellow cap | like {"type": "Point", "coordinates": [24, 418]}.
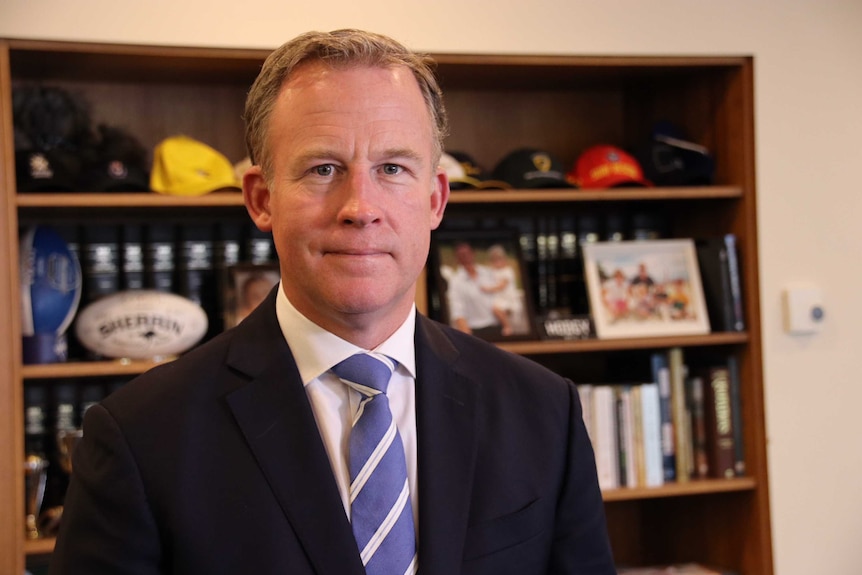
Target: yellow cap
{"type": "Point", "coordinates": [183, 166]}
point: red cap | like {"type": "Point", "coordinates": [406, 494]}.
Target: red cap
{"type": "Point", "coordinates": [606, 166]}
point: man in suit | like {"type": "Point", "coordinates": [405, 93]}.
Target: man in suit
{"type": "Point", "coordinates": [234, 458]}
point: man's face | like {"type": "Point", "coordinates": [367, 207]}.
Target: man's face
{"type": "Point", "coordinates": [464, 255]}
{"type": "Point", "coordinates": [355, 191]}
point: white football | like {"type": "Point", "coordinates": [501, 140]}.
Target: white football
{"type": "Point", "coordinates": [141, 324]}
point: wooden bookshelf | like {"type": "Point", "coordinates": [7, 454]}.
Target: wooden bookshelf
{"type": "Point", "coordinates": [496, 103]}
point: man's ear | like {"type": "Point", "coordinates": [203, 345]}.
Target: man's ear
{"type": "Point", "coordinates": [439, 197]}
{"type": "Point", "coordinates": [256, 195]}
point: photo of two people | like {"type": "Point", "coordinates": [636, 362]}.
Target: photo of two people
{"type": "Point", "coordinates": [480, 283]}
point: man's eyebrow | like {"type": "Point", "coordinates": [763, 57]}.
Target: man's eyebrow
{"type": "Point", "coordinates": [406, 153]}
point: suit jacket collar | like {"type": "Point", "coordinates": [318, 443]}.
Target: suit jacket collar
{"type": "Point", "coordinates": [276, 418]}
{"type": "Point", "coordinates": [446, 420]}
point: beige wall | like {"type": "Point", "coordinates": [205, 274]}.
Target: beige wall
{"type": "Point", "coordinates": [809, 158]}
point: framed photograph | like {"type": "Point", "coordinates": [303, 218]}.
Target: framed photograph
{"type": "Point", "coordinates": [478, 284]}
{"type": "Point", "coordinates": [645, 288]}
{"type": "Point", "coordinates": [246, 286]}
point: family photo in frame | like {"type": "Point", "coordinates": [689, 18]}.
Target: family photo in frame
{"type": "Point", "coordinates": [645, 288]}
{"type": "Point", "coordinates": [479, 284]}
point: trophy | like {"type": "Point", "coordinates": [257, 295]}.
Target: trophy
{"type": "Point", "coordinates": [35, 474]}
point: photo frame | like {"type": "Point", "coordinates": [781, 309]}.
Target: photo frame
{"type": "Point", "coordinates": [246, 285]}
{"type": "Point", "coordinates": [645, 288]}
{"type": "Point", "coordinates": [494, 303]}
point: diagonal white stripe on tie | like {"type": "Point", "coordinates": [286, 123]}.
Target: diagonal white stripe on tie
{"type": "Point", "coordinates": [380, 507]}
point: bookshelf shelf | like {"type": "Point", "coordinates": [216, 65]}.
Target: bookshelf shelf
{"type": "Point", "coordinates": [593, 345]}
{"type": "Point", "coordinates": [694, 487]}
{"type": "Point", "coordinates": [227, 199]}
{"type": "Point", "coordinates": [43, 546]}
{"type": "Point", "coordinates": [87, 369]}
{"type": "Point", "coordinates": [588, 195]}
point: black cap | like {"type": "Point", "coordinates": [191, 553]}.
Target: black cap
{"type": "Point", "coordinates": [530, 168]}
{"type": "Point", "coordinates": [46, 170]}
{"type": "Point", "coordinates": [669, 158]}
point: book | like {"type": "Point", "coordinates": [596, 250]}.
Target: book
{"type": "Point", "coordinates": [661, 376]}
{"type": "Point", "coordinates": [637, 433]}
{"type": "Point", "coordinates": [605, 436]}
{"type": "Point", "coordinates": [678, 372]}
{"type": "Point", "coordinates": [698, 426]}
{"type": "Point", "coordinates": [719, 271]}
{"type": "Point", "coordinates": [652, 445]}
{"type": "Point", "coordinates": [734, 270]}
{"type": "Point", "coordinates": [626, 437]}
{"type": "Point", "coordinates": [567, 273]}
{"type": "Point", "coordinates": [736, 415]}
{"type": "Point", "coordinates": [100, 264]}
{"type": "Point", "coordinates": [160, 257]}
{"type": "Point", "coordinates": [133, 257]}
{"type": "Point", "coordinates": [585, 394]}
{"type": "Point", "coordinates": [719, 422]}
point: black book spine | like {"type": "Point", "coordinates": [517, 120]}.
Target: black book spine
{"type": "Point", "coordinates": [542, 265]}
{"type": "Point", "coordinates": [133, 257]}
{"type": "Point", "coordinates": [736, 415]}
{"type": "Point", "coordinates": [197, 271]}
{"type": "Point", "coordinates": [259, 247]}
{"type": "Point", "coordinates": [738, 321]}
{"type": "Point", "coordinates": [715, 276]}
{"type": "Point", "coordinates": [101, 261]}
{"type": "Point", "coordinates": [226, 253]}
{"type": "Point", "coordinates": [568, 272]}
{"type": "Point", "coordinates": [160, 257]}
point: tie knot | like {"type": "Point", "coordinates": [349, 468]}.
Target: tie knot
{"type": "Point", "coordinates": [364, 371]}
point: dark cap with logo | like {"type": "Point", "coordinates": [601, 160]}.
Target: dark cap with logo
{"type": "Point", "coordinates": [531, 168]}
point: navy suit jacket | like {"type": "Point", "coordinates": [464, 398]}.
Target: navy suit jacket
{"type": "Point", "coordinates": [213, 464]}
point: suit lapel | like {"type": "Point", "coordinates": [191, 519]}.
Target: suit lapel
{"type": "Point", "coordinates": [446, 434]}
{"type": "Point", "coordinates": [275, 417]}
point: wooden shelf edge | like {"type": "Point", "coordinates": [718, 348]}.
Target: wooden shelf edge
{"type": "Point", "coordinates": [220, 199]}
{"type": "Point", "coordinates": [126, 200]}
{"type": "Point", "coordinates": [694, 487]}
{"type": "Point", "coordinates": [43, 546]}
{"type": "Point", "coordinates": [87, 369]}
{"type": "Point", "coordinates": [590, 345]}
{"type": "Point", "coordinates": [593, 195]}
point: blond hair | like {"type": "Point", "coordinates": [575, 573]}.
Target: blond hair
{"type": "Point", "coordinates": [340, 48]}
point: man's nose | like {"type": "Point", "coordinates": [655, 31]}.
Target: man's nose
{"type": "Point", "coordinates": [360, 196]}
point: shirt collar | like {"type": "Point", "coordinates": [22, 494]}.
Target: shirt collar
{"type": "Point", "coordinates": [316, 350]}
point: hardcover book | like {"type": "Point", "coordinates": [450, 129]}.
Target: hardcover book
{"type": "Point", "coordinates": [682, 438]}
{"type": "Point", "coordinates": [661, 376]}
{"type": "Point", "coordinates": [719, 271]}
{"type": "Point", "coordinates": [719, 422]}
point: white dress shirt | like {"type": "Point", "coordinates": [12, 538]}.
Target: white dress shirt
{"type": "Point", "coordinates": [335, 404]}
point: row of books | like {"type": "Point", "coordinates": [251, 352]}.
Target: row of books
{"type": "Point", "coordinates": [684, 424]}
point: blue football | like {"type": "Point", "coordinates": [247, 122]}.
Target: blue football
{"type": "Point", "coordinates": [50, 282]}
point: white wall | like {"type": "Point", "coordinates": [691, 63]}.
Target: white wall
{"type": "Point", "coordinates": [809, 156]}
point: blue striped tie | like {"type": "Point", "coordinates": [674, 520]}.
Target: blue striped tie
{"type": "Point", "coordinates": [381, 514]}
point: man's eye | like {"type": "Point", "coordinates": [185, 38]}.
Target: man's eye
{"type": "Point", "coordinates": [324, 170]}
{"type": "Point", "coordinates": [391, 169]}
